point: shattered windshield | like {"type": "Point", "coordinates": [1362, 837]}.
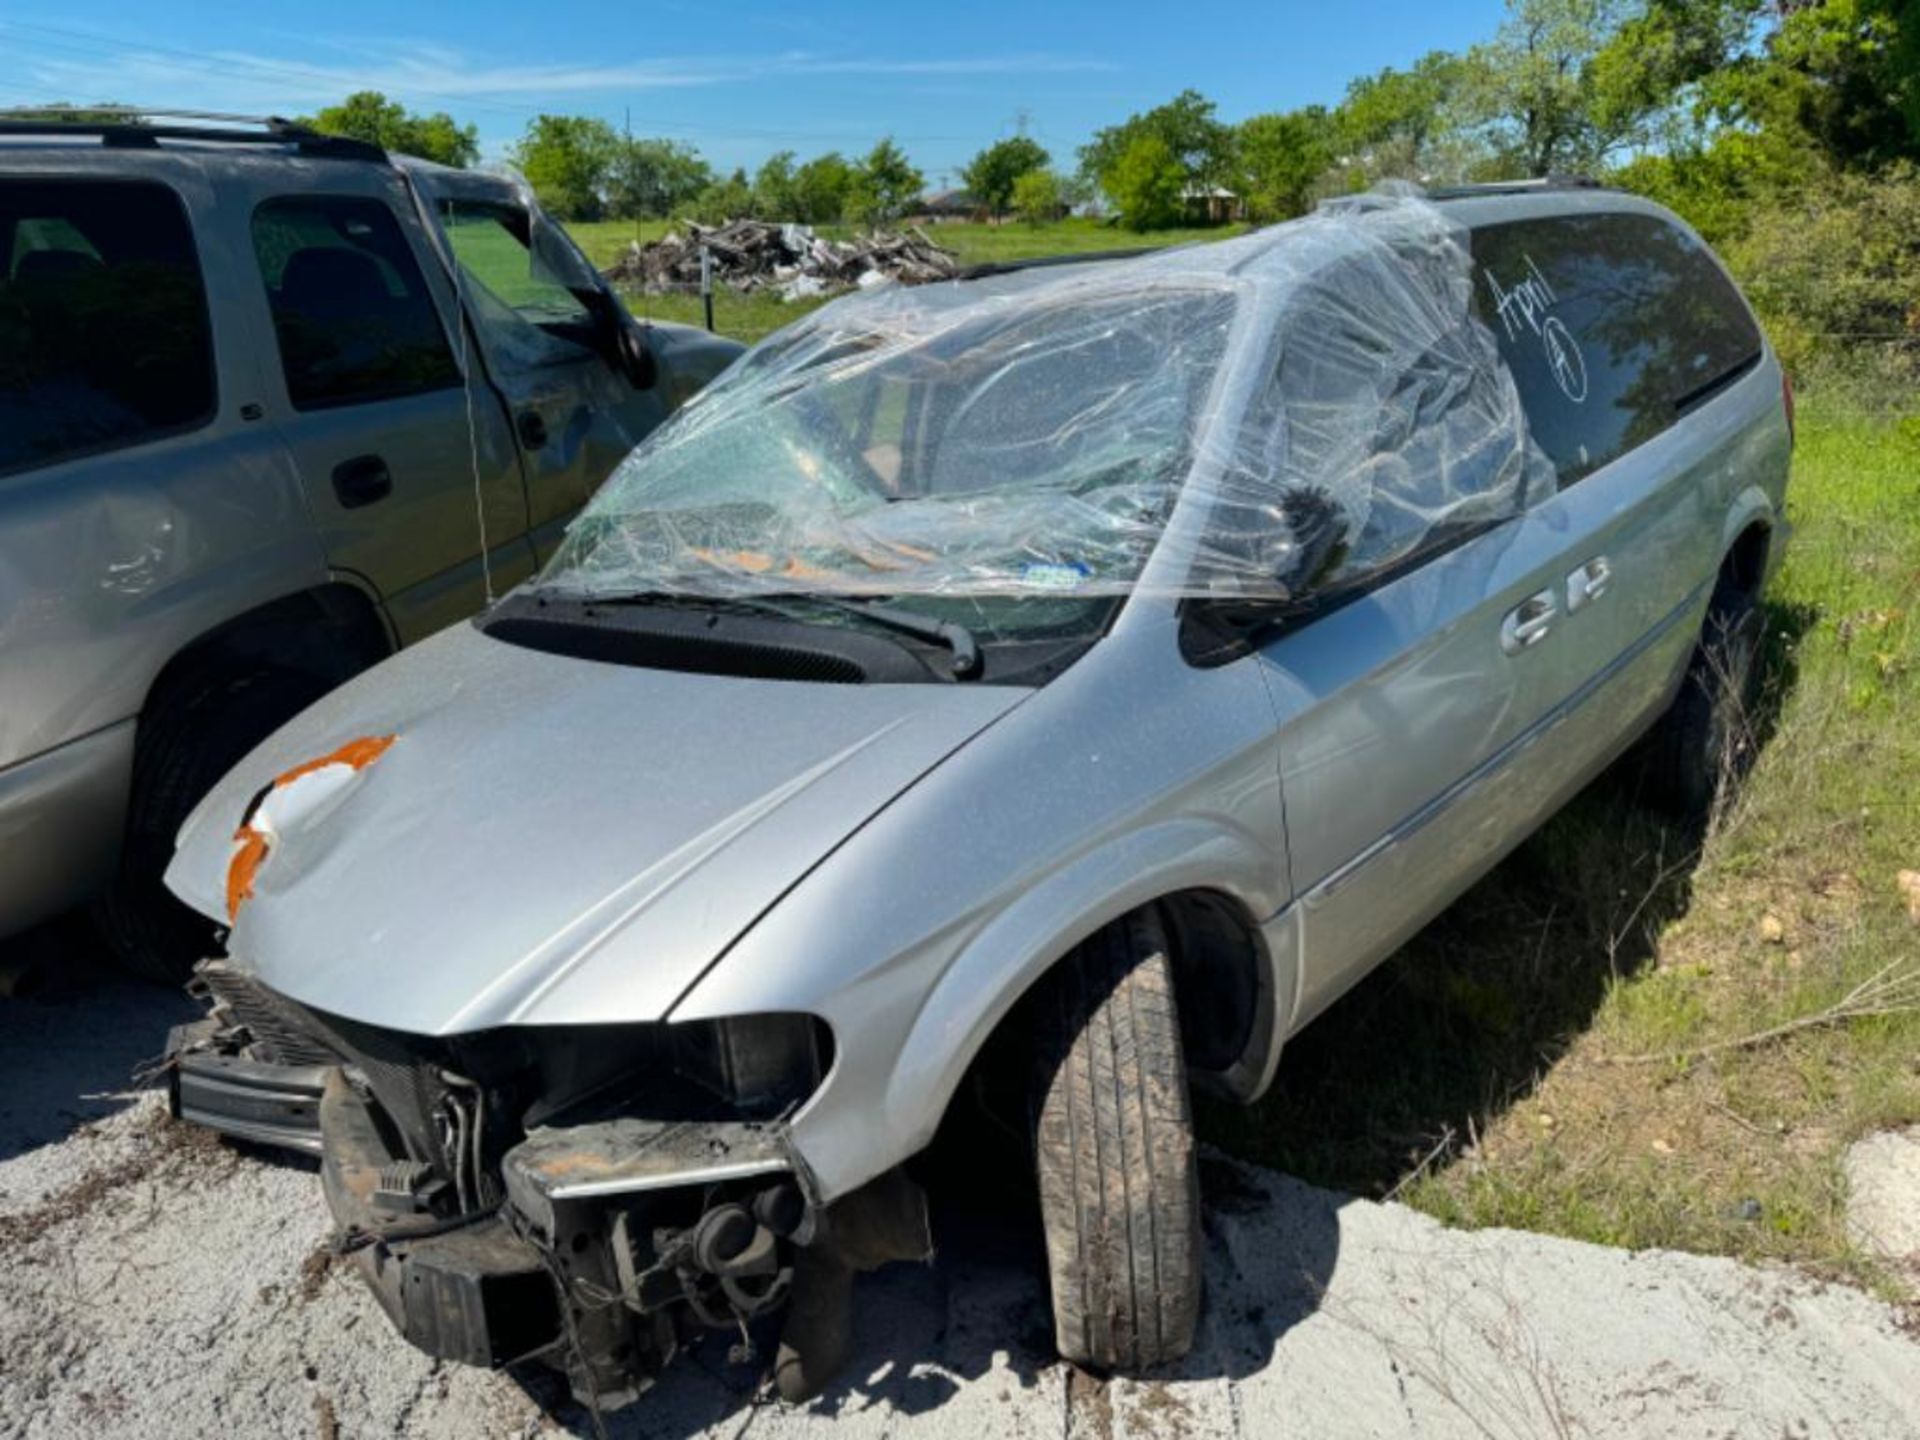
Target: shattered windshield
{"type": "Point", "coordinates": [1265, 418]}
{"type": "Point", "coordinates": [885, 450]}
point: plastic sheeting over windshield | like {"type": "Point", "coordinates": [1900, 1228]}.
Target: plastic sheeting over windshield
{"type": "Point", "coordinates": [1263, 417]}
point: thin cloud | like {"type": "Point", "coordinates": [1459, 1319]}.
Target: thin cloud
{"type": "Point", "coordinates": [439, 73]}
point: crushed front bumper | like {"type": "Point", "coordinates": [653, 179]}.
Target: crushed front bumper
{"type": "Point", "coordinates": [599, 1247]}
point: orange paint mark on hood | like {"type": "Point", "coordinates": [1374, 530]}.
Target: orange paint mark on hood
{"type": "Point", "coordinates": [355, 755]}
{"type": "Point", "coordinates": [253, 841]}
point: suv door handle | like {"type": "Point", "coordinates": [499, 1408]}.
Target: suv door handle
{"type": "Point", "coordinates": [1527, 623]}
{"type": "Point", "coordinates": [1589, 582]}
{"type": "Point", "coordinates": [533, 429]}
{"type": "Point", "coordinates": [361, 481]}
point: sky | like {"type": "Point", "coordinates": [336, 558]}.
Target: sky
{"type": "Point", "coordinates": [739, 79]}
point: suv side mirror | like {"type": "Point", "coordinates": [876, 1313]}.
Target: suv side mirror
{"type": "Point", "coordinates": [635, 356]}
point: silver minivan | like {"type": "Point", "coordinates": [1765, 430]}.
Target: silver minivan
{"type": "Point", "coordinates": [1069, 680]}
{"type": "Point", "coordinates": [258, 430]}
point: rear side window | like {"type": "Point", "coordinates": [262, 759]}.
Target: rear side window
{"type": "Point", "coordinates": [104, 338]}
{"type": "Point", "coordinates": [1613, 326]}
{"type": "Point", "coordinates": [350, 307]}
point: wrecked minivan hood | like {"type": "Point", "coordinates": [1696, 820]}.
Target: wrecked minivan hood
{"type": "Point", "coordinates": [545, 840]}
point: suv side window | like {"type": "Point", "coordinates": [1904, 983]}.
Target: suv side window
{"type": "Point", "coordinates": [104, 335]}
{"type": "Point", "coordinates": [351, 310]}
{"type": "Point", "coordinates": [1612, 324]}
{"type": "Point", "coordinates": [526, 312]}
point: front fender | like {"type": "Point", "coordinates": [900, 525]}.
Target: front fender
{"type": "Point", "coordinates": [1131, 777]}
{"type": "Point", "coordinates": [1027, 938]}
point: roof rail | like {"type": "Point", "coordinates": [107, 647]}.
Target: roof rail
{"type": "Point", "coordinates": [136, 128]}
{"type": "Point", "coordinates": [1515, 187]}
{"type": "Point", "coordinates": [990, 268]}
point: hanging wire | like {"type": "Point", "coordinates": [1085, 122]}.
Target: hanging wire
{"type": "Point", "coordinates": [466, 384]}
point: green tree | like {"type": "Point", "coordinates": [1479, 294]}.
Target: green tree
{"type": "Point", "coordinates": [1281, 157]}
{"type": "Point", "coordinates": [884, 184]}
{"type": "Point", "coordinates": [1842, 76]}
{"type": "Point", "coordinates": [368, 115]}
{"type": "Point", "coordinates": [650, 178]}
{"type": "Point", "coordinates": [776, 196]}
{"type": "Point", "coordinates": [568, 159]}
{"type": "Point", "coordinates": [721, 201]}
{"type": "Point", "coordinates": [992, 174]}
{"type": "Point", "coordinates": [1201, 145]}
{"type": "Point", "coordinates": [101, 112]}
{"type": "Point", "coordinates": [1146, 182]}
{"type": "Point", "coordinates": [1401, 123]}
{"type": "Point", "coordinates": [1036, 197]}
{"type": "Point", "coordinates": [820, 188]}
{"type": "Point", "coordinates": [1532, 93]}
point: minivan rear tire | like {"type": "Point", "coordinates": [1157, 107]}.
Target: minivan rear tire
{"type": "Point", "coordinates": [1114, 1149]}
{"type": "Point", "coordinates": [1705, 742]}
{"type": "Point", "coordinates": [191, 739]}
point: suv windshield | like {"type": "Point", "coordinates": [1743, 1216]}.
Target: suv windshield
{"type": "Point", "coordinates": [1009, 465]}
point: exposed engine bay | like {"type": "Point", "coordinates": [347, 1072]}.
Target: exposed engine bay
{"type": "Point", "coordinates": [590, 1196]}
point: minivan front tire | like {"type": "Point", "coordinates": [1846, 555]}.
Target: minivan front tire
{"type": "Point", "coordinates": [1113, 1130]}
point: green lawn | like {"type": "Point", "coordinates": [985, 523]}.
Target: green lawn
{"type": "Point", "coordinates": [1492, 1047]}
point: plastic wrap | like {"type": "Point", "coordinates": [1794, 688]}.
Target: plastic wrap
{"type": "Point", "coordinates": [1263, 417]}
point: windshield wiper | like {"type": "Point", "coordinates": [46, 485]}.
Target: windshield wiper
{"type": "Point", "coordinates": [966, 663]}
{"type": "Point", "coordinates": [956, 637]}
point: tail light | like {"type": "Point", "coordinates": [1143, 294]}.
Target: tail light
{"type": "Point", "coordinates": [1786, 402]}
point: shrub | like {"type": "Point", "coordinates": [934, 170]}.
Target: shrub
{"type": "Point", "coordinates": [1834, 270]}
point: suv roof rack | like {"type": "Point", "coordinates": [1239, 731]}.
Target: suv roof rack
{"type": "Point", "coordinates": [136, 128]}
{"type": "Point", "coordinates": [989, 268]}
{"type": "Point", "coordinates": [1515, 187]}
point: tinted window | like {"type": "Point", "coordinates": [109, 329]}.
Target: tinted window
{"type": "Point", "coordinates": [350, 307]}
{"type": "Point", "coordinates": [1611, 324]}
{"type": "Point", "coordinates": [104, 339]}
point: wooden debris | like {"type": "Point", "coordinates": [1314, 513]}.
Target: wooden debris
{"type": "Point", "coordinates": [753, 255]}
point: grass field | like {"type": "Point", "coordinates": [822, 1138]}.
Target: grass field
{"type": "Point", "coordinates": [1496, 1071]}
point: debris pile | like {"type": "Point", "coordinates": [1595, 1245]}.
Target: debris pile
{"type": "Point", "coordinates": [760, 255]}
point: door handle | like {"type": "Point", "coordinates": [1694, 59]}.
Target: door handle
{"type": "Point", "coordinates": [1527, 623]}
{"type": "Point", "coordinates": [533, 429]}
{"type": "Point", "coordinates": [361, 481]}
{"type": "Point", "coordinates": [1588, 583]}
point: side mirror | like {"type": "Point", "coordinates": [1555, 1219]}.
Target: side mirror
{"type": "Point", "coordinates": [635, 355]}
{"type": "Point", "coordinates": [1275, 561]}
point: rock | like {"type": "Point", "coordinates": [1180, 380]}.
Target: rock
{"type": "Point", "coordinates": [1883, 1194]}
{"type": "Point", "coordinates": [1909, 883]}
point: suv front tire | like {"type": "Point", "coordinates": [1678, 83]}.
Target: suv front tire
{"type": "Point", "coordinates": [192, 738]}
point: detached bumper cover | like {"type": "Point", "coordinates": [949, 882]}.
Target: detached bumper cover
{"type": "Point", "coordinates": [267, 1104]}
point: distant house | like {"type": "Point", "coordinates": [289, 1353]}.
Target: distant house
{"type": "Point", "coordinates": [938, 205]}
{"type": "Point", "coordinates": [1212, 205]}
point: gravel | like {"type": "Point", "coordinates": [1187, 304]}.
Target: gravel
{"type": "Point", "coordinates": [157, 1281]}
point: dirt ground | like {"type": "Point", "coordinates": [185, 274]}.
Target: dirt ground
{"type": "Point", "coordinates": [158, 1282]}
